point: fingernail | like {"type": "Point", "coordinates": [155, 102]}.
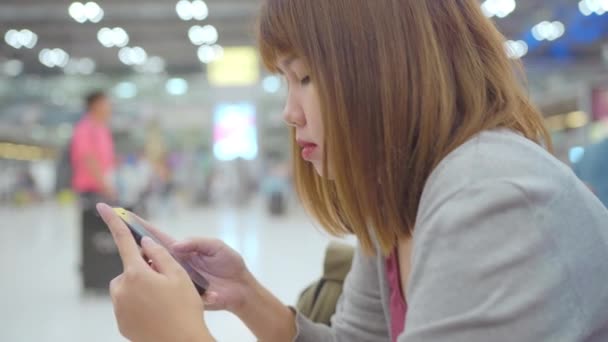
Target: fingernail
{"type": "Point", "coordinates": [148, 241]}
{"type": "Point", "coordinates": [104, 209]}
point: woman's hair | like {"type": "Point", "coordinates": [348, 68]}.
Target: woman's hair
{"type": "Point", "coordinates": [401, 84]}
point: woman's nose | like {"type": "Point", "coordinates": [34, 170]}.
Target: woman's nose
{"type": "Point", "coordinates": [293, 115]}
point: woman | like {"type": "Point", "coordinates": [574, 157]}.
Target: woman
{"type": "Point", "coordinates": [415, 136]}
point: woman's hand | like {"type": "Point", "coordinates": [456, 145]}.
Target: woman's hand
{"type": "Point", "coordinates": [232, 287]}
{"type": "Point", "coordinates": [152, 304]}
{"type": "Point", "coordinates": [230, 281]}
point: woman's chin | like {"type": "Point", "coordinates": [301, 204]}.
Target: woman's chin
{"type": "Point", "coordinates": [319, 168]}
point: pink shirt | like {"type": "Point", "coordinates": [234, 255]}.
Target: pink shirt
{"type": "Point", "coordinates": [95, 139]}
{"type": "Point", "coordinates": [397, 305]}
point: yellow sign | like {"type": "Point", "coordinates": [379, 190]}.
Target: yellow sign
{"type": "Point", "coordinates": [238, 67]}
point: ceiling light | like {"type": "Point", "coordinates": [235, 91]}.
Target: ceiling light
{"type": "Point", "coordinates": [498, 8]}
{"type": "Point", "coordinates": [209, 34]}
{"type": "Point", "coordinates": [93, 12]}
{"type": "Point", "coordinates": [11, 37]}
{"type": "Point", "coordinates": [210, 53]}
{"type": "Point", "coordinates": [59, 57]}
{"type": "Point", "coordinates": [90, 11]}
{"type": "Point", "coordinates": [28, 38]}
{"type": "Point", "coordinates": [106, 37]}
{"type": "Point", "coordinates": [77, 12]}
{"type": "Point", "coordinates": [176, 86]}
{"type": "Point", "coordinates": [584, 8]}
{"type": "Point", "coordinates": [196, 9]}
{"type": "Point", "coordinates": [593, 5]}
{"type": "Point", "coordinates": [203, 35]}
{"type": "Point", "coordinates": [516, 49]}
{"type": "Point", "coordinates": [120, 37]}
{"type": "Point", "coordinates": [184, 10]}
{"type": "Point", "coordinates": [200, 11]}
{"type": "Point", "coordinates": [548, 30]}
{"type": "Point", "coordinates": [18, 39]}
{"type": "Point", "coordinates": [132, 56]}
{"type": "Point", "coordinates": [54, 57]}
{"type": "Point", "coordinates": [124, 55]}
{"type": "Point", "coordinates": [138, 55]}
{"type": "Point", "coordinates": [206, 54]}
{"type": "Point", "coordinates": [588, 7]}
{"type": "Point", "coordinates": [44, 58]}
{"type": "Point", "coordinates": [558, 30]}
{"type": "Point", "coordinates": [194, 34]}
{"type": "Point", "coordinates": [113, 37]}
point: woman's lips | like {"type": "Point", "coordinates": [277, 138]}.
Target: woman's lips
{"type": "Point", "coordinates": [308, 149]}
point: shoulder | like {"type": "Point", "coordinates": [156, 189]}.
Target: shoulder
{"type": "Point", "coordinates": [493, 160]}
{"type": "Point", "coordinates": [489, 198]}
{"type": "Point", "coordinates": [82, 126]}
{"type": "Point", "coordinates": [494, 234]}
{"type": "Point", "coordinates": [498, 180]}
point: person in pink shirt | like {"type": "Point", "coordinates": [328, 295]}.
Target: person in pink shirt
{"type": "Point", "coordinates": [92, 150]}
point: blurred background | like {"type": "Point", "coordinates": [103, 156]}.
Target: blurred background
{"type": "Point", "coordinates": [199, 143]}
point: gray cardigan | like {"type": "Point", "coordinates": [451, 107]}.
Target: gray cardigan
{"type": "Point", "coordinates": [509, 246]}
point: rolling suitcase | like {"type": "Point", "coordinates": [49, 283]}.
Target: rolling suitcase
{"type": "Point", "coordinates": [100, 261]}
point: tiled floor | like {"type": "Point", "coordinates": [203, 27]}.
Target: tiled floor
{"type": "Point", "coordinates": [40, 296]}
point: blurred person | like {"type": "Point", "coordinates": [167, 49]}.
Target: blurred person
{"type": "Point", "coordinates": [92, 151]}
{"type": "Point", "coordinates": [93, 163]}
{"type": "Point", "coordinates": [414, 135]}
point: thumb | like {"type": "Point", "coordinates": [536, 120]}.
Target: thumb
{"type": "Point", "coordinates": [162, 260]}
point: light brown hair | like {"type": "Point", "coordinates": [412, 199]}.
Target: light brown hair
{"type": "Point", "coordinates": [401, 83]}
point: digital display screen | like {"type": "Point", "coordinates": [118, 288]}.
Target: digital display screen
{"type": "Point", "coordinates": [235, 132]}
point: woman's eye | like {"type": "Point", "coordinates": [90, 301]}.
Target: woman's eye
{"type": "Point", "coordinates": [305, 80]}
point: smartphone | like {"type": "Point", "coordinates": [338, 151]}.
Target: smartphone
{"type": "Point", "coordinates": [137, 229]}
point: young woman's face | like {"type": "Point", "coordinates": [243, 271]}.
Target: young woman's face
{"type": "Point", "coordinates": [303, 111]}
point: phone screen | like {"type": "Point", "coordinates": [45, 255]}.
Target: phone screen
{"type": "Point", "coordinates": [138, 231]}
{"type": "Point", "coordinates": [136, 228]}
